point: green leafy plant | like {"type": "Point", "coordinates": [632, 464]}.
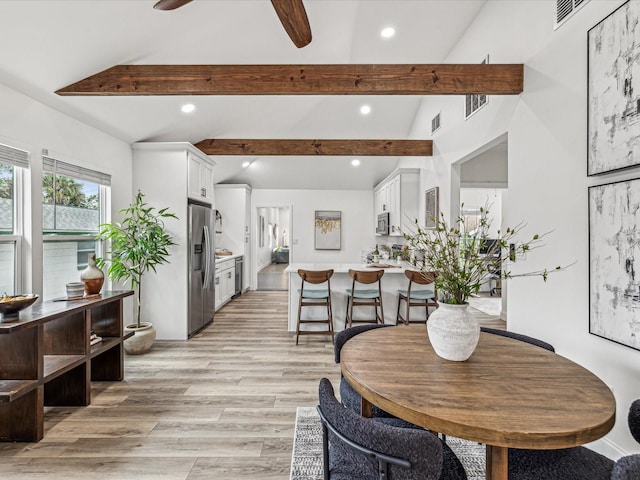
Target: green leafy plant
{"type": "Point", "coordinates": [463, 259]}
{"type": "Point", "coordinates": [138, 243]}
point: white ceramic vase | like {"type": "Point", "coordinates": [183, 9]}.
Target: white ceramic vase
{"type": "Point", "coordinates": [453, 332]}
{"type": "Point", "coordinates": [142, 340]}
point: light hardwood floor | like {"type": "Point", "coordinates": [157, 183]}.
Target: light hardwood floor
{"type": "Point", "coordinates": [219, 406]}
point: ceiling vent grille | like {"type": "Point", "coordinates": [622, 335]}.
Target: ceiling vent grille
{"type": "Point", "coordinates": [435, 123]}
{"type": "Point", "coordinates": [566, 8]}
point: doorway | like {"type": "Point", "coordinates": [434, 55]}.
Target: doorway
{"type": "Point", "coordinates": [483, 184]}
{"type": "Point", "coordinates": [273, 226]}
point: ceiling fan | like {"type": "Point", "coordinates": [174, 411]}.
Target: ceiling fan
{"type": "Point", "coordinates": [291, 13]}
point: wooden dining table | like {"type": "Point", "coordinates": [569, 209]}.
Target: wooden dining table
{"type": "Point", "coordinates": [508, 394]}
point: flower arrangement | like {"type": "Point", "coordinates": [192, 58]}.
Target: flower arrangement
{"type": "Point", "coordinates": [463, 259]}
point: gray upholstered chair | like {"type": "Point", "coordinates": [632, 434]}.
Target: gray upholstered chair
{"type": "Point", "coordinates": [519, 336]}
{"type": "Point", "coordinates": [350, 398]}
{"type": "Point", "coordinates": [579, 463]}
{"type": "Point", "coordinates": [358, 448]}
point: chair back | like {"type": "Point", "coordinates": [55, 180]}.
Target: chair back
{"type": "Point", "coordinates": [421, 278]}
{"type": "Point", "coordinates": [366, 276]}
{"type": "Point", "coordinates": [519, 336]}
{"type": "Point", "coordinates": [358, 447]}
{"type": "Point", "coordinates": [315, 276]}
{"type": "Point", "coordinates": [348, 333]}
{"type": "Point", "coordinates": [634, 420]}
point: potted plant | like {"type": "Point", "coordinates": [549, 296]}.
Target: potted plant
{"type": "Point", "coordinates": [137, 244]}
{"type": "Point", "coordinates": [462, 260]}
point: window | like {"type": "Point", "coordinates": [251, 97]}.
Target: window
{"type": "Point", "coordinates": [12, 163]}
{"type": "Point", "coordinates": [74, 203]}
{"type": "Point", "coordinates": [473, 103]}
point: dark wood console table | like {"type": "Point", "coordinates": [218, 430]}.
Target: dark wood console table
{"type": "Point", "coordinates": [46, 359]}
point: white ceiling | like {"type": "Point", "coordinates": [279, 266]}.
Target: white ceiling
{"type": "Point", "coordinates": [49, 44]}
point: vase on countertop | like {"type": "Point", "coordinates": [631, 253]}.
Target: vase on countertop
{"type": "Point", "coordinates": [453, 332]}
{"type": "Point", "coordinates": [92, 276]}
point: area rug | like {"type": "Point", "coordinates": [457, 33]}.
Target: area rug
{"type": "Point", "coordinates": [306, 461]}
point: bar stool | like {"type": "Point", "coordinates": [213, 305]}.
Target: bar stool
{"type": "Point", "coordinates": [315, 297]}
{"type": "Point", "coordinates": [417, 298]}
{"type": "Point", "coordinates": [361, 297]}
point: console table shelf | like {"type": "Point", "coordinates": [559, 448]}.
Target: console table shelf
{"type": "Point", "coordinates": [46, 359]}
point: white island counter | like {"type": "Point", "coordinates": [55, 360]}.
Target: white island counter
{"type": "Point", "coordinates": [392, 280]}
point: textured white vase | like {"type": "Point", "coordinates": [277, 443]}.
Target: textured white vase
{"type": "Point", "coordinates": [453, 332]}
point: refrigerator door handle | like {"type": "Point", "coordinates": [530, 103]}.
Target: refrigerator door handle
{"type": "Point", "coordinates": [207, 258]}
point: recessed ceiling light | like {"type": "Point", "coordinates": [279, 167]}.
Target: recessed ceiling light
{"type": "Point", "coordinates": [355, 162]}
{"type": "Point", "coordinates": [245, 164]}
{"type": "Point", "coordinates": [188, 108]}
{"type": "Point", "coordinates": [388, 32]}
{"type": "Point", "coordinates": [365, 109]}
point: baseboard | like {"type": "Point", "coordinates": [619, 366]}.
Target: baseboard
{"type": "Point", "coordinates": [607, 448]}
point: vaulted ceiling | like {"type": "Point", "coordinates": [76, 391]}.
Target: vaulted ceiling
{"type": "Point", "coordinates": [49, 44]}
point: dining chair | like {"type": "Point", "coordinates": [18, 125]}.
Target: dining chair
{"type": "Point", "coordinates": [417, 297]}
{"type": "Point", "coordinates": [314, 297]}
{"type": "Point", "coordinates": [578, 463]}
{"type": "Point", "coordinates": [359, 297]}
{"type": "Point", "coordinates": [519, 336]}
{"type": "Point", "coordinates": [349, 397]}
{"type": "Point", "coordinates": [356, 448]}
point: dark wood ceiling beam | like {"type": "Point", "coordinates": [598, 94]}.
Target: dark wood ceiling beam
{"type": "Point", "coordinates": [382, 148]}
{"type": "Point", "coordinates": [358, 79]}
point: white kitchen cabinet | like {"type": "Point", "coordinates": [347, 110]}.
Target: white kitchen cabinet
{"type": "Point", "coordinates": [225, 280]}
{"type": "Point", "coordinates": [398, 194]}
{"type": "Point", "coordinates": [233, 201]}
{"type": "Point", "coordinates": [200, 174]}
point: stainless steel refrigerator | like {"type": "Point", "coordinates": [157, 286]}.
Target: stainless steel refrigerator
{"type": "Point", "coordinates": [201, 267]}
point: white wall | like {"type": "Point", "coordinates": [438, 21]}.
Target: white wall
{"type": "Point", "coordinates": [357, 221]}
{"type": "Point", "coordinates": [547, 141]}
{"type": "Point", "coordinates": [271, 216]}
{"type": "Point", "coordinates": [32, 126]}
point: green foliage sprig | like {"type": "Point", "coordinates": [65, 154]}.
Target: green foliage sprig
{"type": "Point", "coordinates": [455, 255]}
{"type": "Point", "coordinates": [138, 243]}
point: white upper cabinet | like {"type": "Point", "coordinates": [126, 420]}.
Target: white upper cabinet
{"type": "Point", "coordinates": [398, 195]}
{"type": "Point", "coordinates": [200, 174]}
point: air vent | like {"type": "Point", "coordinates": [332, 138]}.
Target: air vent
{"type": "Point", "coordinates": [435, 123]}
{"type": "Point", "coordinates": [473, 103]}
{"type": "Point", "coordinates": [566, 8]}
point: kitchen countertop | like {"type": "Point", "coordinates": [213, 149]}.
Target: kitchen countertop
{"type": "Point", "coordinates": [222, 258]}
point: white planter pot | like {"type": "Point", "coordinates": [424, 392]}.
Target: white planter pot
{"type": "Point", "coordinates": [453, 332]}
{"type": "Point", "coordinates": [142, 340]}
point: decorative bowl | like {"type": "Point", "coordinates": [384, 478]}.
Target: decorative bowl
{"type": "Point", "coordinates": [10, 305]}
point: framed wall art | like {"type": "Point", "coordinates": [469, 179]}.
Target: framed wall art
{"type": "Point", "coordinates": [328, 226]}
{"type": "Point", "coordinates": [614, 255]}
{"type": "Point", "coordinates": [614, 91]}
{"type": "Point", "coordinates": [431, 208]}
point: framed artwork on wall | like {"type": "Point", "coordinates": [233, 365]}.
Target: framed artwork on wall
{"type": "Point", "coordinates": [614, 255]}
{"type": "Point", "coordinates": [614, 91]}
{"type": "Point", "coordinates": [431, 208]}
{"type": "Point", "coordinates": [328, 226]}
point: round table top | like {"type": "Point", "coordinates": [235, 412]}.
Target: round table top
{"type": "Point", "coordinates": [508, 394]}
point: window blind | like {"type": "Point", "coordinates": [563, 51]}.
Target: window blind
{"type": "Point", "coordinates": [51, 165]}
{"type": "Point", "coordinates": [14, 156]}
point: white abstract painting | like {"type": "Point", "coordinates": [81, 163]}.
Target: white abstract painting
{"type": "Point", "coordinates": [614, 252]}
{"type": "Point", "coordinates": [614, 91]}
{"type": "Point", "coordinates": [328, 226]}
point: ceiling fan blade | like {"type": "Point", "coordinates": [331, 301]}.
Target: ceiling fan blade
{"type": "Point", "coordinates": [170, 4]}
{"type": "Point", "coordinates": [294, 20]}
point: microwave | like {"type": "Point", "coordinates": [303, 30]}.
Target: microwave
{"type": "Point", "coordinates": [382, 228]}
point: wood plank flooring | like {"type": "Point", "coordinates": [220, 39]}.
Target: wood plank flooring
{"type": "Point", "coordinates": [219, 406]}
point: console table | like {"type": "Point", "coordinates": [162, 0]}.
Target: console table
{"type": "Point", "coordinates": [46, 359]}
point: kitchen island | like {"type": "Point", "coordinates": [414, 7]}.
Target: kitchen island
{"type": "Point", "coordinates": [392, 280]}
